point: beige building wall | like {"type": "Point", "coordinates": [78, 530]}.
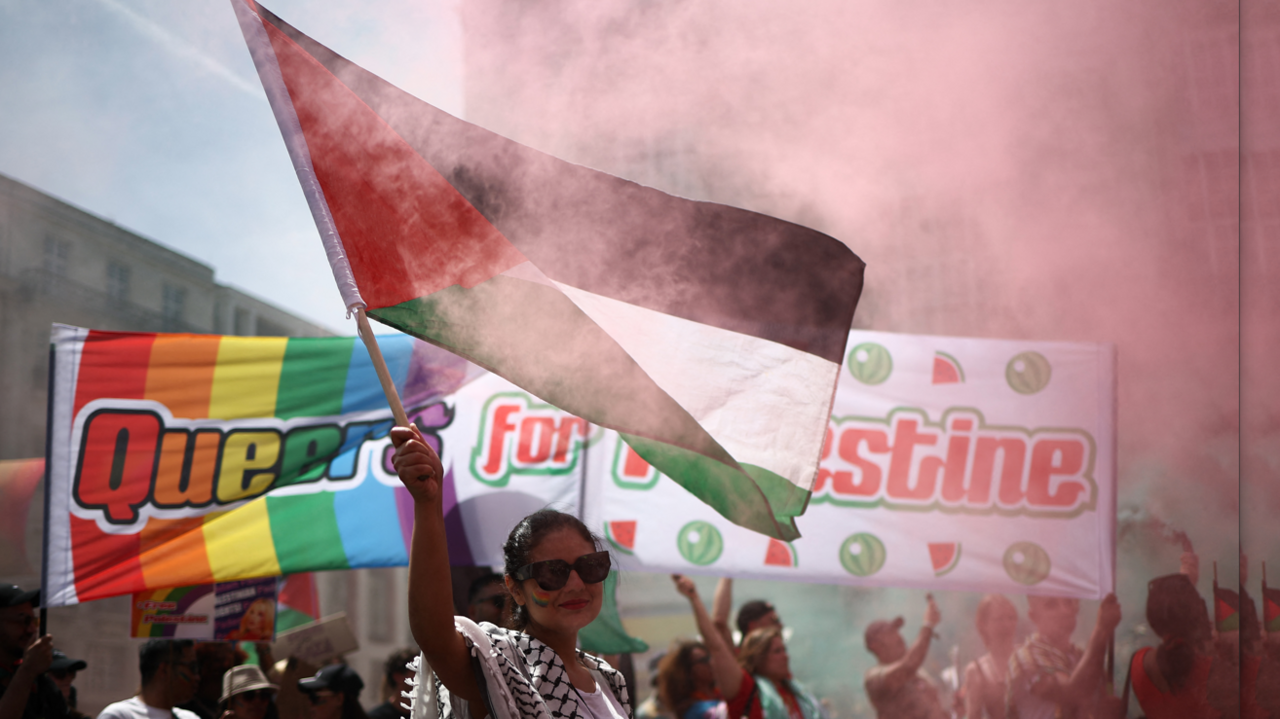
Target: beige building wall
{"type": "Point", "coordinates": [59, 263]}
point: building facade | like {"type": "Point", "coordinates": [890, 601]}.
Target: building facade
{"type": "Point", "coordinates": [61, 264]}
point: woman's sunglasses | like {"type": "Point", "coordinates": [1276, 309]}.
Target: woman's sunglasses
{"type": "Point", "coordinates": [554, 573]}
{"type": "Point", "coordinates": [255, 695]}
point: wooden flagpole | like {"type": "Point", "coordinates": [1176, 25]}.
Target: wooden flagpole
{"type": "Point", "coordinates": [380, 366]}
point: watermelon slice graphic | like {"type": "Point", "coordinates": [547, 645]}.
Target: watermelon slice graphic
{"type": "Point", "coordinates": [781, 554]}
{"type": "Point", "coordinates": [945, 556]}
{"type": "Point", "coordinates": [621, 533]}
{"type": "Point", "coordinates": [946, 369]}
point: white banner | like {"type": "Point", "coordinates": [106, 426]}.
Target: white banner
{"type": "Point", "coordinates": [950, 463]}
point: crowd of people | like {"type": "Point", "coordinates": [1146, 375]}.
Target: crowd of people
{"type": "Point", "coordinates": [514, 653]}
{"type": "Point", "coordinates": [184, 679]}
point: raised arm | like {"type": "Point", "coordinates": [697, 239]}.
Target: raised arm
{"type": "Point", "coordinates": [724, 664]}
{"type": "Point", "coordinates": [975, 690]}
{"type": "Point", "coordinates": [1084, 678]}
{"type": "Point", "coordinates": [900, 672]}
{"type": "Point", "coordinates": [430, 587]}
{"type": "Point", "coordinates": [35, 661]}
{"type": "Point", "coordinates": [721, 605]}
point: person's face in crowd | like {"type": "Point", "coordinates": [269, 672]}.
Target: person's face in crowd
{"type": "Point", "coordinates": [398, 685]}
{"type": "Point", "coordinates": [17, 630]}
{"type": "Point", "coordinates": [491, 604]}
{"type": "Point", "coordinates": [889, 646]}
{"type": "Point", "coordinates": [251, 704]}
{"type": "Point", "coordinates": [700, 668]}
{"type": "Point", "coordinates": [1054, 617]}
{"type": "Point", "coordinates": [215, 658]}
{"type": "Point", "coordinates": [777, 665]}
{"type": "Point", "coordinates": [1000, 625]}
{"type": "Point", "coordinates": [183, 676]}
{"type": "Point", "coordinates": [573, 606]}
{"type": "Point", "coordinates": [768, 620]}
{"type": "Point", "coordinates": [326, 704]}
{"type": "Point", "coordinates": [64, 679]}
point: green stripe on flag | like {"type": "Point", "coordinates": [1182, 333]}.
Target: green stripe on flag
{"type": "Point", "coordinates": [727, 490]}
{"type": "Point", "coordinates": [287, 618]}
{"type": "Point", "coordinates": [314, 376]}
{"type": "Point", "coordinates": [305, 531]}
{"type": "Point", "coordinates": [787, 500]}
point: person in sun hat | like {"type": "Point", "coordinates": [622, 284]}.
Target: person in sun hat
{"type": "Point", "coordinates": [246, 694]}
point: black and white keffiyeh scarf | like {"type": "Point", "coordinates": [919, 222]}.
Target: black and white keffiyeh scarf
{"type": "Point", "coordinates": [525, 679]}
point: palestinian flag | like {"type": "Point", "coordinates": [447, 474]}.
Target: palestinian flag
{"type": "Point", "coordinates": [1226, 609]}
{"type": "Point", "coordinates": [1271, 609]}
{"type": "Point", "coordinates": [297, 601]}
{"type": "Point", "coordinates": [710, 337]}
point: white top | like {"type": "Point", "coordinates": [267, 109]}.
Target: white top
{"type": "Point", "coordinates": [601, 704]}
{"type": "Point", "coordinates": [523, 678]}
{"type": "Point", "coordinates": [135, 708]}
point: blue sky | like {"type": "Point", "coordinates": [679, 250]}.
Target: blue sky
{"type": "Point", "coordinates": [149, 113]}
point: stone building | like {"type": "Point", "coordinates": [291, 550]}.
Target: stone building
{"type": "Point", "coordinates": [59, 263]}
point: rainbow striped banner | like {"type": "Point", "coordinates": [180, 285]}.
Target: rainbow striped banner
{"type": "Point", "coordinates": [182, 460]}
{"type": "Point", "coordinates": [243, 610]}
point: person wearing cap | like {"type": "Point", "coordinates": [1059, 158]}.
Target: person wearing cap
{"type": "Point", "coordinates": [896, 686]}
{"type": "Point", "coordinates": [26, 692]}
{"type": "Point", "coordinates": [170, 676]}
{"type": "Point", "coordinates": [334, 693]}
{"type": "Point", "coordinates": [62, 670]}
{"type": "Point", "coordinates": [246, 694]}
{"type": "Point", "coordinates": [395, 674]}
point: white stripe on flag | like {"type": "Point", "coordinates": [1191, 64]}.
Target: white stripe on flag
{"type": "Point", "coordinates": [766, 403]}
